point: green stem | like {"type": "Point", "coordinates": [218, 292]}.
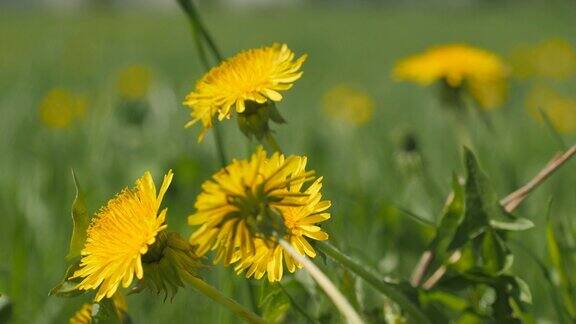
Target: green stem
{"type": "Point", "coordinates": [271, 140]}
{"type": "Point", "coordinates": [198, 31]}
{"type": "Point", "coordinates": [218, 297]}
{"type": "Point", "coordinates": [388, 289]}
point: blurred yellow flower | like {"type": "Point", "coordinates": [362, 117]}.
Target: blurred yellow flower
{"type": "Point", "coordinates": [560, 110]}
{"type": "Point", "coordinates": [83, 315]}
{"type": "Point", "coordinates": [119, 235]}
{"type": "Point", "coordinates": [134, 82]}
{"type": "Point", "coordinates": [247, 205]}
{"type": "Point", "coordinates": [553, 58]}
{"type": "Point", "coordinates": [60, 107]}
{"type": "Point", "coordinates": [348, 104]}
{"type": "Point", "coordinates": [255, 75]}
{"type": "Point", "coordinates": [483, 74]}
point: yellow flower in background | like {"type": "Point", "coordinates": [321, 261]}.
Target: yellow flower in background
{"type": "Point", "coordinates": [83, 315]}
{"type": "Point", "coordinates": [245, 206]}
{"type": "Point", "coordinates": [560, 110]}
{"type": "Point", "coordinates": [483, 74]}
{"type": "Point", "coordinates": [256, 75]}
{"type": "Point", "coordinates": [554, 58]}
{"type": "Point", "coordinates": [60, 108]}
{"type": "Point", "coordinates": [134, 82]}
{"type": "Point", "coordinates": [119, 235]}
{"type": "Point", "coordinates": [348, 104]}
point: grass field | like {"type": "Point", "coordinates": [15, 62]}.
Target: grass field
{"type": "Point", "coordinates": [362, 168]}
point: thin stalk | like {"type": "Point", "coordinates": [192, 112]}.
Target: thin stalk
{"type": "Point", "coordinates": [388, 289]}
{"type": "Point", "coordinates": [337, 298]}
{"type": "Point", "coordinates": [271, 140]}
{"type": "Point", "coordinates": [300, 310]}
{"type": "Point", "coordinates": [198, 31]}
{"type": "Point", "coordinates": [218, 297]}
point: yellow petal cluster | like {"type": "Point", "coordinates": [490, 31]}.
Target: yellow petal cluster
{"type": "Point", "coordinates": [246, 196]}
{"type": "Point", "coordinates": [134, 81]}
{"type": "Point", "coordinates": [553, 58]}
{"type": "Point", "coordinates": [256, 75]}
{"type": "Point", "coordinates": [348, 104]}
{"type": "Point", "coordinates": [83, 315]}
{"type": "Point", "coordinates": [118, 236]}
{"type": "Point", "coordinates": [560, 109]}
{"type": "Point", "coordinates": [483, 74]}
{"type": "Point", "coordinates": [60, 107]}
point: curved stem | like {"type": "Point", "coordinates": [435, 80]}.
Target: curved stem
{"type": "Point", "coordinates": [218, 297]}
{"type": "Point", "coordinates": [388, 289]}
{"type": "Point", "coordinates": [339, 301]}
{"type": "Point", "coordinates": [271, 140]}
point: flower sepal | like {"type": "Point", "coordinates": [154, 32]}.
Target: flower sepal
{"type": "Point", "coordinates": [68, 287]}
{"type": "Point", "coordinates": [166, 260]}
{"type": "Point", "coordinates": [254, 120]}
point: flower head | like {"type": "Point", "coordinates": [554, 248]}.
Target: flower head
{"type": "Point", "coordinates": [349, 104]}
{"type": "Point", "coordinates": [251, 203]}
{"type": "Point", "coordinates": [256, 75]}
{"type": "Point", "coordinates": [134, 82]}
{"type": "Point", "coordinates": [60, 107]}
{"type": "Point", "coordinates": [553, 58]}
{"type": "Point", "coordinates": [481, 73]}
{"type": "Point", "coordinates": [119, 235]}
{"type": "Point", "coordinates": [560, 110]}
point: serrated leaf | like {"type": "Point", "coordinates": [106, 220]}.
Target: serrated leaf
{"type": "Point", "coordinates": [496, 257]}
{"type": "Point", "coordinates": [67, 287]}
{"type": "Point", "coordinates": [482, 206]}
{"type": "Point", "coordinates": [451, 219]}
{"type": "Point", "coordinates": [80, 221]}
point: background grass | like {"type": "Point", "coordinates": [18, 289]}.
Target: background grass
{"type": "Point", "coordinates": [363, 177]}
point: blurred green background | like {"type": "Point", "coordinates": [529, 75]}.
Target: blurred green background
{"type": "Point", "coordinates": [137, 124]}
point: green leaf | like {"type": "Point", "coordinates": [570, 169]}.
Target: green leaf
{"type": "Point", "coordinates": [515, 224]}
{"type": "Point", "coordinates": [80, 221]}
{"type": "Point", "coordinates": [106, 312]}
{"type": "Point", "coordinates": [496, 257]}
{"type": "Point", "coordinates": [451, 219]}
{"type": "Point", "coordinates": [556, 255]}
{"type": "Point", "coordinates": [67, 288]}
{"type": "Point", "coordinates": [348, 288]}
{"type": "Point", "coordinates": [482, 206]}
{"type": "Point", "coordinates": [6, 309]}
{"type": "Point", "coordinates": [273, 302]}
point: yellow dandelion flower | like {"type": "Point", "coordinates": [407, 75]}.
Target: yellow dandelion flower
{"type": "Point", "coordinates": [119, 235]}
{"type": "Point", "coordinates": [482, 73]}
{"type": "Point", "coordinates": [246, 205]}
{"type": "Point", "coordinates": [83, 315]}
{"type": "Point", "coordinates": [256, 75]}
{"type": "Point", "coordinates": [134, 82]}
{"type": "Point", "coordinates": [60, 107]}
{"type": "Point", "coordinates": [560, 110]}
{"type": "Point", "coordinates": [554, 58]}
{"type": "Point", "coordinates": [348, 104]}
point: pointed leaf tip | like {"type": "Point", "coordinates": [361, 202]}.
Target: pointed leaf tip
{"type": "Point", "coordinates": [80, 221]}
